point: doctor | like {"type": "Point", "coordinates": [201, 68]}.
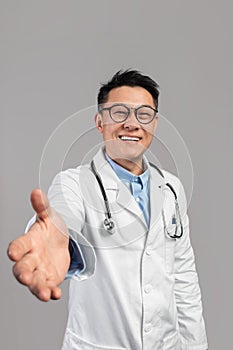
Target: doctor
{"type": "Point", "coordinates": [134, 284]}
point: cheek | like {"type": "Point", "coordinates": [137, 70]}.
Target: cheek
{"type": "Point", "coordinates": [148, 140]}
{"type": "Point", "coordinates": [109, 131]}
{"type": "Point", "coordinates": [149, 132]}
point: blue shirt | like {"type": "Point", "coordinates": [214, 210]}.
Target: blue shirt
{"type": "Point", "coordinates": [139, 188]}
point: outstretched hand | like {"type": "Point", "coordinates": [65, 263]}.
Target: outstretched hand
{"type": "Point", "coordinates": [41, 255]}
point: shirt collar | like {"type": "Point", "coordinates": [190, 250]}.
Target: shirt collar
{"type": "Point", "coordinates": [126, 175]}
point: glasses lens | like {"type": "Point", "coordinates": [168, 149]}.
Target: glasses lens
{"type": "Point", "coordinates": [145, 115]}
{"type": "Point", "coordinates": [119, 113]}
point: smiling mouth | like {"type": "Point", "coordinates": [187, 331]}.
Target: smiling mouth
{"type": "Point", "coordinates": [130, 138]}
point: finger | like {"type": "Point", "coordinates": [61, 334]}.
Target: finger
{"type": "Point", "coordinates": [56, 293]}
{"type": "Point", "coordinates": [23, 269]}
{"type": "Point", "coordinates": [39, 286]}
{"type": "Point", "coordinates": [40, 203]}
{"type": "Point", "coordinates": [19, 247]}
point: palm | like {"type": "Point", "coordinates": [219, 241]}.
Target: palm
{"type": "Point", "coordinates": [42, 256]}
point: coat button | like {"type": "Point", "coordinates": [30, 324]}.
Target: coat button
{"type": "Point", "coordinates": [148, 252]}
{"type": "Point", "coordinates": [147, 289]}
{"type": "Point", "coordinates": [147, 329]}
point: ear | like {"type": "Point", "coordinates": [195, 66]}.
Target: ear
{"type": "Point", "coordinates": [99, 122]}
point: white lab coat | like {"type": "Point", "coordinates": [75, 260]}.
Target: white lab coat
{"type": "Point", "coordinates": [139, 289]}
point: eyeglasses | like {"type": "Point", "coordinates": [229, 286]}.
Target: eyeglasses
{"type": "Point", "coordinates": [120, 112]}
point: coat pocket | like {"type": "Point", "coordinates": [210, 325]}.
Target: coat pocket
{"type": "Point", "coordinates": [169, 254]}
{"type": "Point", "coordinates": [73, 342]}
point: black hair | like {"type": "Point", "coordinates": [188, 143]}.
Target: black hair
{"type": "Point", "coordinates": [132, 78]}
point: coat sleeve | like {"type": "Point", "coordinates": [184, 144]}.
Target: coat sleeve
{"type": "Point", "coordinates": [187, 289]}
{"type": "Point", "coordinates": [66, 198]}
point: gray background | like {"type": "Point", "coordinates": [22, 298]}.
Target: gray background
{"type": "Point", "coordinates": [53, 56]}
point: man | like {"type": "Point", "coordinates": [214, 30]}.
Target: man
{"type": "Point", "coordinates": [113, 227]}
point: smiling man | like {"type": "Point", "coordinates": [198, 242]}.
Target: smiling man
{"type": "Point", "coordinates": [118, 228]}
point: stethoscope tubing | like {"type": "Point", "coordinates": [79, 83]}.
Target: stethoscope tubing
{"type": "Point", "coordinates": [109, 223]}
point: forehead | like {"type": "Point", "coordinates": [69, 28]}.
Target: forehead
{"type": "Point", "coordinates": [135, 95]}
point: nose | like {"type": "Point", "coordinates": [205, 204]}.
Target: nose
{"type": "Point", "coordinates": [131, 122]}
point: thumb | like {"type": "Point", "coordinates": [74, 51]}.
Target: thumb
{"type": "Point", "coordinates": [40, 203]}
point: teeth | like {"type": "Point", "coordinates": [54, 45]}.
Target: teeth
{"type": "Point", "coordinates": [128, 138]}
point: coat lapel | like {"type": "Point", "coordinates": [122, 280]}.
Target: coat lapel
{"type": "Point", "coordinates": [127, 201]}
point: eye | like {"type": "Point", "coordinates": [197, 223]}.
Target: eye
{"type": "Point", "coordinates": [119, 110]}
{"type": "Point", "coordinates": [145, 113]}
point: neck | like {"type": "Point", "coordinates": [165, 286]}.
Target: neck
{"type": "Point", "coordinates": [134, 166]}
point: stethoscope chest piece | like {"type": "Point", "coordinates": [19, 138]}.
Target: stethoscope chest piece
{"type": "Point", "coordinates": [109, 225]}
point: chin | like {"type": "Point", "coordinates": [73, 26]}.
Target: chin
{"type": "Point", "coordinates": [127, 155]}
{"type": "Point", "coordinates": [127, 152]}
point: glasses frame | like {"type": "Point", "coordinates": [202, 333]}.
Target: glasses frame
{"type": "Point", "coordinates": [129, 109]}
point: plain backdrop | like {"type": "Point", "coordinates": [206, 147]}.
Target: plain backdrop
{"type": "Point", "coordinates": [54, 55]}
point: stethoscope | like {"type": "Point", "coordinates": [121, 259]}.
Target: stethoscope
{"type": "Point", "coordinates": [109, 223]}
